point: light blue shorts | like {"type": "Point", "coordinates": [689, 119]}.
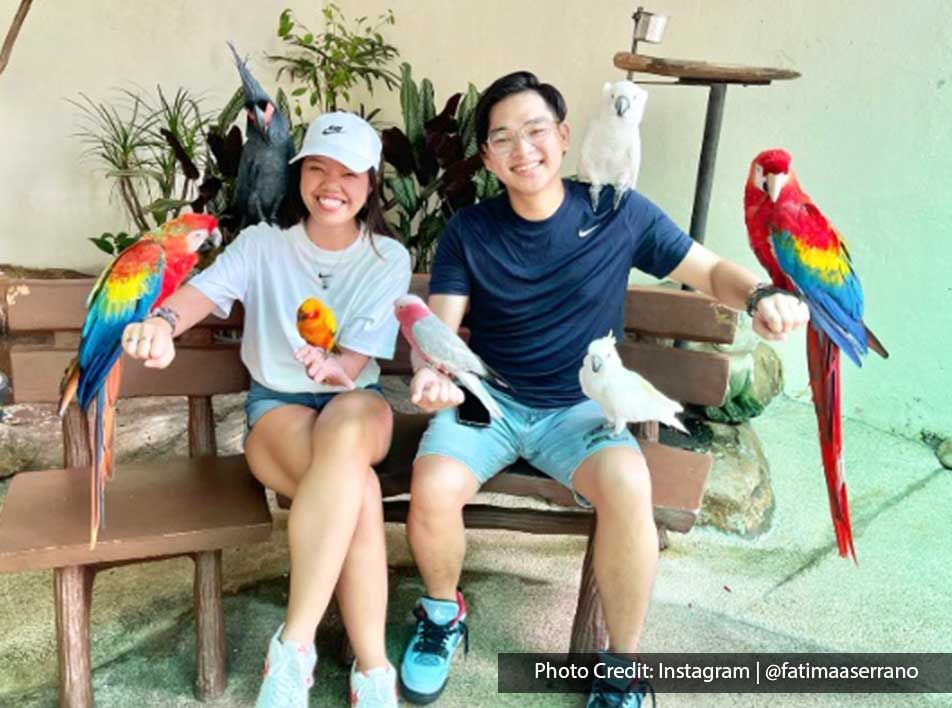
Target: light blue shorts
{"type": "Point", "coordinates": [553, 440]}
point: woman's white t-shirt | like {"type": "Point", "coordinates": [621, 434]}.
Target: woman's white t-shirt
{"type": "Point", "coordinates": [272, 271]}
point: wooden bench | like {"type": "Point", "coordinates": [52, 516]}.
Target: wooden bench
{"type": "Point", "coordinates": [158, 509]}
{"type": "Point", "coordinates": [48, 314]}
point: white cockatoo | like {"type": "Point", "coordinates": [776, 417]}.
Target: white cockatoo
{"type": "Point", "coordinates": [624, 396]}
{"type": "Point", "coordinates": [441, 348]}
{"type": "Point", "coordinates": [611, 150]}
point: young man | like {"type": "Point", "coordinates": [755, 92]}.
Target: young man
{"type": "Point", "coordinates": [543, 275]}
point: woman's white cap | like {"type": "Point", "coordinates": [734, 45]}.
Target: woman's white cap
{"type": "Point", "coordinates": [345, 137]}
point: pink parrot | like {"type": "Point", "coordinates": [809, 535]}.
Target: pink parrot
{"type": "Point", "coordinates": [441, 348]}
{"type": "Point", "coordinates": [807, 257]}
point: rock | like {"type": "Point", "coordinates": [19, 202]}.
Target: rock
{"type": "Point", "coordinates": [31, 434]}
{"type": "Point", "coordinates": [767, 383]}
{"type": "Point", "coordinates": [944, 453]}
{"type": "Point", "coordinates": [30, 438]}
{"type": "Point", "coordinates": [756, 375]}
{"type": "Point", "coordinates": [739, 498]}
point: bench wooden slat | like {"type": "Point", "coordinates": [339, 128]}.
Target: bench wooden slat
{"type": "Point", "coordinates": [153, 508]}
{"type": "Point", "coordinates": [677, 314]}
{"type": "Point", "coordinates": [686, 376]}
{"type": "Point", "coordinates": [34, 305]}
{"type": "Point", "coordinates": [196, 371]}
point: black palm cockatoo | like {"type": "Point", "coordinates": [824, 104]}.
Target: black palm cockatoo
{"type": "Point", "coordinates": [263, 169]}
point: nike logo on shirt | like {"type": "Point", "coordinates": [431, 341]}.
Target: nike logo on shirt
{"type": "Point", "coordinates": [582, 233]}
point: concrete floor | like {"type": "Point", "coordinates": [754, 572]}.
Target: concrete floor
{"type": "Point", "coordinates": [785, 591]}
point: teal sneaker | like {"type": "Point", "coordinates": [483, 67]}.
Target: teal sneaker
{"type": "Point", "coordinates": [288, 674]}
{"type": "Point", "coordinates": [618, 692]}
{"type": "Point", "coordinates": [441, 625]}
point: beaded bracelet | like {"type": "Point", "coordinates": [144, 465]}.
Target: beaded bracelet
{"type": "Point", "coordinates": [760, 292]}
{"type": "Point", "coordinates": [167, 314]}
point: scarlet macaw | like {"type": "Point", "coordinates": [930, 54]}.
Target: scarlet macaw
{"type": "Point", "coordinates": [806, 256]}
{"type": "Point", "coordinates": [137, 280]}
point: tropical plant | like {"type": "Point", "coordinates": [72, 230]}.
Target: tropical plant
{"type": "Point", "coordinates": [162, 154]}
{"type": "Point", "coordinates": [435, 166]}
{"type": "Point", "coordinates": [331, 63]}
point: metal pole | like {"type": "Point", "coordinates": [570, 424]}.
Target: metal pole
{"type": "Point", "coordinates": [705, 167]}
{"type": "Point", "coordinates": [634, 35]}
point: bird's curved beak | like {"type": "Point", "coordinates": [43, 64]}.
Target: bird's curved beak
{"type": "Point", "coordinates": [622, 104]}
{"type": "Point", "coordinates": [597, 363]}
{"type": "Point", "coordinates": [212, 242]}
{"type": "Point", "coordinates": [263, 120]}
{"type": "Point", "coordinates": [775, 183]}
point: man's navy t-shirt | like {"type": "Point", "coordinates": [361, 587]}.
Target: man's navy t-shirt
{"type": "Point", "coordinates": [541, 291]}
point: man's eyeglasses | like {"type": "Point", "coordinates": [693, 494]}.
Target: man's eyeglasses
{"type": "Point", "coordinates": [535, 132]}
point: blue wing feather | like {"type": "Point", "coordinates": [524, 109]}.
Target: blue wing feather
{"type": "Point", "coordinates": [101, 339]}
{"type": "Point", "coordinates": [836, 308]}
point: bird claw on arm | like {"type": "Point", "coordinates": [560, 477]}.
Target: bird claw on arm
{"type": "Point", "coordinates": [323, 367]}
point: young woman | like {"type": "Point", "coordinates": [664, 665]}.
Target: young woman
{"type": "Point", "coordinates": [317, 420]}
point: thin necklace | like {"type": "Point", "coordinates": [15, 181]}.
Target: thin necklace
{"type": "Point", "coordinates": [325, 277]}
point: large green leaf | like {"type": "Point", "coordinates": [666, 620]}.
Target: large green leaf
{"type": "Point", "coordinates": [231, 110]}
{"type": "Point", "coordinates": [404, 190]}
{"type": "Point", "coordinates": [427, 106]}
{"type": "Point", "coordinates": [467, 120]}
{"type": "Point", "coordinates": [410, 106]}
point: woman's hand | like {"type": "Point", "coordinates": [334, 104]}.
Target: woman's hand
{"type": "Point", "coordinates": [150, 341]}
{"type": "Point", "coordinates": [322, 367]}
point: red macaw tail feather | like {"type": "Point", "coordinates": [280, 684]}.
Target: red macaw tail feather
{"type": "Point", "coordinates": [68, 387]}
{"type": "Point", "coordinates": [823, 359]}
{"type": "Point", "coordinates": [109, 418]}
{"type": "Point", "coordinates": [92, 425]}
{"type": "Point", "coordinates": [872, 341]}
{"type": "Point", "coordinates": [102, 432]}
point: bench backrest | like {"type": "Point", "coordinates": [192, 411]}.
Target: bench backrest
{"type": "Point", "coordinates": [42, 319]}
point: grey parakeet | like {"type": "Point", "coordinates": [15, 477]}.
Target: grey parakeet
{"type": "Point", "coordinates": [439, 346]}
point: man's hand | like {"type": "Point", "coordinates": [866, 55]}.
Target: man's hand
{"type": "Point", "coordinates": [778, 315]}
{"type": "Point", "coordinates": [150, 341]}
{"type": "Point", "coordinates": [432, 391]}
{"type": "Point", "coordinates": [323, 367]}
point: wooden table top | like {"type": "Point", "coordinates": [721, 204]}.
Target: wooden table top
{"type": "Point", "coordinates": [690, 71]}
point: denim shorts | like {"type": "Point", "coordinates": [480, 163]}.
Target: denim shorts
{"type": "Point", "coordinates": [553, 440]}
{"type": "Point", "coordinates": [262, 399]}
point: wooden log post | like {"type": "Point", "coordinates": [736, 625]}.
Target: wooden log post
{"type": "Point", "coordinates": [588, 627]}
{"type": "Point", "coordinates": [211, 678]}
{"type": "Point", "coordinates": [72, 589]}
{"type": "Point", "coordinates": [72, 593]}
{"type": "Point", "coordinates": [201, 427]}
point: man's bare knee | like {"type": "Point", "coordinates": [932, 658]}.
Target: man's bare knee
{"type": "Point", "coordinates": [616, 478]}
{"type": "Point", "coordinates": [441, 484]}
